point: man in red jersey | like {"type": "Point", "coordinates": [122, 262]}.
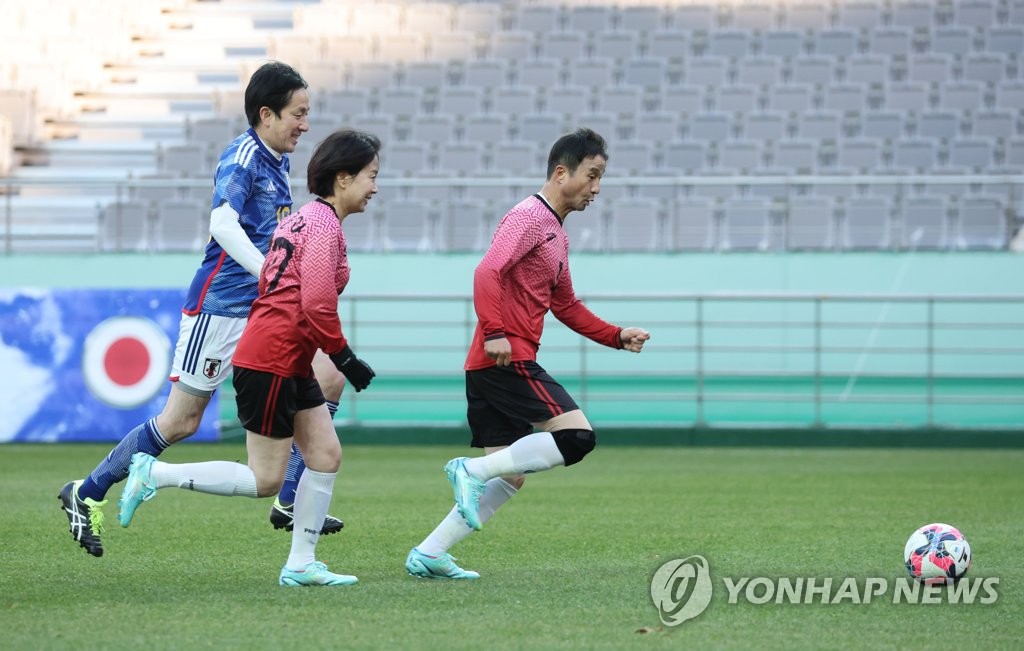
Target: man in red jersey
{"type": "Point", "coordinates": [523, 275]}
{"type": "Point", "coordinates": [278, 397]}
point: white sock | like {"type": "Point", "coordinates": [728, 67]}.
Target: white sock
{"type": "Point", "coordinates": [454, 528]}
{"type": "Point", "coordinates": [312, 499]}
{"type": "Point", "coordinates": [532, 453]}
{"type": "Point", "coordinates": [213, 477]}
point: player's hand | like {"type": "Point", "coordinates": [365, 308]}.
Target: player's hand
{"type": "Point", "coordinates": [500, 350]}
{"type": "Point", "coordinates": [356, 371]}
{"type": "Point", "coordinates": [633, 339]}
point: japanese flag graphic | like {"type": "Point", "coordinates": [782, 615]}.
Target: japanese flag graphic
{"type": "Point", "coordinates": [126, 361]}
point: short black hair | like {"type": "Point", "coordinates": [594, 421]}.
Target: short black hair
{"type": "Point", "coordinates": [572, 148]}
{"type": "Point", "coordinates": [345, 151]}
{"type": "Point", "coordinates": [272, 85]}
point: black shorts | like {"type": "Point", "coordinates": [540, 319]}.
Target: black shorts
{"type": "Point", "coordinates": [267, 403]}
{"type": "Point", "coordinates": [503, 402]}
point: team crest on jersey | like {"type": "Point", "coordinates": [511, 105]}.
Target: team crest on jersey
{"type": "Point", "coordinates": [211, 367]}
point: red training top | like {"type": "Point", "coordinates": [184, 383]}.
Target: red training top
{"type": "Point", "coordinates": [523, 275]}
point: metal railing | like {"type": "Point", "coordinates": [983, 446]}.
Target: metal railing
{"type": "Point", "coordinates": [724, 359]}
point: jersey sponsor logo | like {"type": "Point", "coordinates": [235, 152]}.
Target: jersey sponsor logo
{"type": "Point", "coordinates": [211, 367]}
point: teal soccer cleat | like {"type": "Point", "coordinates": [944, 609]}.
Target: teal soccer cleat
{"type": "Point", "coordinates": [138, 488]}
{"type": "Point", "coordinates": [467, 489]}
{"type": "Point", "coordinates": [316, 573]}
{"type": "Point", "coordinates": [436, 567]}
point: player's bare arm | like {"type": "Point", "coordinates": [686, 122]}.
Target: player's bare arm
{"type": "Point", "coordinates": [633, 339]}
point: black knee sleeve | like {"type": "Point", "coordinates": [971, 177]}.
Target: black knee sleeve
{"type": "Point", "coordinates": [574, 444]}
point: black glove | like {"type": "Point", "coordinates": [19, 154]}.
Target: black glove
{"type": "Point", "coordinates": [356, 371]}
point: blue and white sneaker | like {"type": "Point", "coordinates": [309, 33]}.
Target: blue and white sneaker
{"type": "Point", "coordinates": [138, 487]}
{"type": "Point", "coordinates": [467, 489]}
{"type": "Point", "coordinates": [316, 573]}
{"type": "Point", "coordinates": [436, 567]}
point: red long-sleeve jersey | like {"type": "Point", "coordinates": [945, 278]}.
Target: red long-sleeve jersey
{"type": "Point", "coordinates": [523, 275]}
{"type": "Point", "coordinates": [297, 308]}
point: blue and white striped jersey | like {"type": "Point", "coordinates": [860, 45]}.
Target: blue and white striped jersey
{"type": "Point", "coordinates": [255, 184]}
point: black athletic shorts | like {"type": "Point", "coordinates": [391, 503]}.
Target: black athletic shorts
{"type": "Point", "coordinates": [504, 401]}
{"type": "Point", "coordinates": [267, 403]}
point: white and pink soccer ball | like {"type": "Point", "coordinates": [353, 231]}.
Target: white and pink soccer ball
{"type": "Point", "coordinates": [937, 553]}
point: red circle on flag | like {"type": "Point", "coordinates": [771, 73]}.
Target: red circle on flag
{"type": "Point", "coordinates": [126, 361]}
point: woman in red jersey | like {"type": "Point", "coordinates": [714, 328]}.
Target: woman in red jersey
{"type": "Point", "coordinates": [295, 314]}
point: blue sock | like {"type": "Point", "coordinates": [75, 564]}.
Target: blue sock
{"type": "Point", "coordinates": [144, 438]}
{"type": "Point", "coordinates": [295, 467]}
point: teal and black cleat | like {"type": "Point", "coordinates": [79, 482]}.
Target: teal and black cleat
{"type": "Point", "coordinates": [316, 573]}
{"type": "Point", "coordinates": [85, 517]}
{"type": "Point", "coordinates": [138, 487]}
{"type": "Point", "coordinates": [467, 489]}
{"type": "Point", "coordinates": [436, 567]}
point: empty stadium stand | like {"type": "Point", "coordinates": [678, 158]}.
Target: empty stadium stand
{"type": "Point", "coordinates": [771, 121]}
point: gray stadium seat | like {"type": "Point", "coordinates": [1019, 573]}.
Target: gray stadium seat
{"type": "Point", "coordinates": [512, 45]}
{"type": "Point", "coordinates": [938, 124]}
{"type": "Point", "coordinates": [568, 45]}
{"type": "Point", "coordinates": [460, 100]}
{"type": "Point", "coordinates": [816, 70]}
{"type": "Point", "coordinates": [185, 160]}
{"type": "Point", "coordinates": [124, 226]}
{"type": "Point", "coordinates": [998, 123]}
{"type": "Point", "coordinates": [962, 95]}
{"type": "Point", "coordinates": [373, 74]}
{"type": "Point", "coordinates": [710, 125]}
{"type": "Point", "coordinates": [682, 99]}
{"type": "Point", "coordinates": [634, 224]}
{"type": "Point", "coordinates": [352, 48]}
{"type": "Point", "coordinates": [810, 223]}
{"type": "Point", "coordinates": [452, 46]}
{"type": "Point", "coordinates": [860, 14]}
{"type": "Point", "coordinates": [640, 18]}
{"type": "Point", "coordinates": [400, 101]}
{"type": "Point", "coordinates": [478, 17]}
{"type": "Point", "coordinates": [602, 122]}
{"type": "Point", "coordinates": [595, 72]}
{"type": "Point", "coordinates": [485, 127]}
{"type": "Point", "coordinates": [428, 75]}
{"type": "Point", "coordinates": [538, 19]}
{"type": "Point", "coordinates": [1015, 152]}
{"type": "Point", "coordinates": [742, 155]}
{"type": "Point", "coordinates": [795, 156]}
{"type": "Point", "coordinates": [819, 125]}
{"type": "Point", "coordinates": [489, 73]}
{"type": "Point", "coordinates": [763, 125]}
{"type": "Point", "coordinates": [1006, 39]}
{"type": "Point", "coordinates": [669, 44]}
{"type": "Point", "coordinates": [705, 71]}
{"type": "Point", "coordinates": [866, 223]}
{"type": "Point", "coordinates": [346, 101]}
{"type": "Point", "coordinates": [620, 100]}
{"type": "Point", "coordinates": [916, 154]}
{"type": "Point", "coordinates": [790, 98]}
{"type": "Point", "coordinates": [847, 98]}
{"type": "Point", "coordinates": [361, 229]}
{"type": "Point", "coordinates": [974, 13]}
{"type": "Point", "coordinates": [657, 126]}
{"type": "Point", "coordinates": [984, 66]}
{"type": "Point", "coordinates": [868, 69]}
{"type": "Point", "coordinates": [514, 157]}
{"type": "Point", "coordinates": [463, 226]}
{"type": "Point", "coordinates": [913, 13]}
{"type": "Point", "coordinates": [568, 100]}
{"type": "Point", "coordinates": [729, 43]}
{"type": "Point", "coordinates": [746, 224]}
{"type": "Point", "coordinates": [836, 42]}
{"type": "Point", "coordinates": [404, 47]}
{"type": "Point", "coordinates": [631, 157]}
{"type": "Point", "coordinates": [586, 230]}
{"type": "Point", "coordinates": [406, 226]}
{"type": "Point", "coordinates": [755, 17]}
{"type": "Point", "coordinates": [181, 226]}
{"type": "Point", "coordinates": [1010, 95]}
{"type": "Point", "coordinates": [692, 224]}
{"type": "Point", "coordinates": [782, 43]}
{"type": "Point", "coordinates": [694, 17]}
{"type": "Point", "coordinates": [882, 124]}
{"type": "Point", "coordinates": [518, 99]}
{"type": "Point", "coordinates": [930, 68]}
{"type": "Point", "coordinates": [648, 72]}
{"type": "Point", "coordinates": [405, 158]}
{"type": "Point", "coordinates": [589, 18]}
{"type": "Point", "coordinates": [906, 97]}
{"type": "Point", "coordinates": [806, 14]}
{"type": "Point", "coordinates": [734, 99]}
{"type": "Point", "coordinates": [981, 223]}
{"type": "Point", "coordinates": [975, 154]}
{"type": "Point", "coordinates": [925, 225]}
{"type": "Point", "coordinates": [460, 157]}
{"type": "Point", "coordinates": [619, 45]}
{"type": "Point", "coordinates": [541, 128]}
{"type": "Point", "coordinates": [684, 156]}
{"type": "Point", "coordinates": [759, 70]}
{"type": "Point", "coordinates": [432, 128]}
{"type": "Point", "coordinates": [862, 155]}
{"type": "Point", "coordinates": [951, 39]}
{"type": "Point", "coordinates": [890, 41]}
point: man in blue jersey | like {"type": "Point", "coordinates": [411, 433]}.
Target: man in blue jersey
{"type": "Point", "coordinates": [251, 195]}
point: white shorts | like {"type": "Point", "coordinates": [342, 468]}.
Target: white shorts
{"type": "Point", "coordinates": [202, 357]}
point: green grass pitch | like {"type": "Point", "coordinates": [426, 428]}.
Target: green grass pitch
{"type": "Point", "coordinates": [566, 564]}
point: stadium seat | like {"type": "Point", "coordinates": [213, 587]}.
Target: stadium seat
{"type": "Point", "coordinates": [351, 48]}
{"type": "Point", "coordinates": [925, 224]}
{"type": "Point", "coordinates": [815, 70]}
{"type": "Point", "coordinates": [1015, 152]}
{"type": "Point", "coordinates": [868, 69]}
{"type": "Point", "coordinates": [361, 230]}
{"type": "Point", "coordinates": [796, 156]}
{"type": "Point", "coordinates": [589, 18]}
{"type": "Point", "coordinates": [372, 75]}
{"type": "Point", "coordinates": [915, 154]}
{"type": "Point", "coordinates": [882, 124]}
{"type": "Point", "coordinates": [729, 43]}
{"type": "Point", "coordinates": [514, 157]}
{"type": "Point", "coordinates": [185, 160]}
{"type": "Point", "coordinates": [376, 18]}
{"type": "Point", "coordinates": [692, 224]}
{"type": "Point", "coordinates": [914, 13]}
{"type": "Point", "coordinates": [763, 125]}
{"type": "Point", "coordinates": [618, 44]}
{"type": "Point", "coordinates": [746, 224]}
{"type": "Point", "coordinates": [974, 13]}
{"type": "Point", "coordinates": [620, 100]}
{"type": "Point", "coordinates": [759, 71]}
{"type": "Point", "coordinates": [930, 68]}
{"type": "Point", "coordinates": [567, 45]}
{"type": "Point", "coordinates": [668, 44]}
{"type": "Point", "coordinates": [568, 100]}
{"type": "Point", "coordinates": [452, 46]}
{"type": "Point", "coordinates": [790, 98]}
{"type": "Point", "coordinates": [782, 43]}
{"type": "Point", "coordinates": [538, 19]}
{"type": "Point", "coordinates": [542, 72]}
{"type": "Point", "coordinates": [742, 155]}
{"type": "Point", "coordinates": [490, 73]}
{"type": "Point", "coordinates": [428, 75]}
{"type": "Point", "coordinates": [734, 99]}
{"type": "Point", "coordinates": [682, 99]}
{"type": "Point", "coordinates": [845, 97]}
{"type": "Point", "coordinates": [981, 223]}
{"type": "Point", "coordinates": [601, 122]}
{"type": "Point", "coordinates": [862, 155]}
{"type": "Point", "coordinates": [754, 17]}
{"type": "Point", "coordinates": [406, 225]}
{"type": "Point", "coordinates": [810, 223]}
{"type": "Point", "coordinates": [835, 42]}
{"type": "Point", "coordinates": [694, 17]}
{"type": "Point", "coordinates": [181, 226]}
{"type": "Point", "coordinates": [705, 71]}
{"type": "Point", "coordinates": [819, 125]}
{"type": "Point", "coordinates": [938, 124]}
{"type": "Point", "coordinates": [515, 100]}
{"type": "Point", "coordinates": [124, 226]}
{"type": "Point", "coordinates": [866, 223]}
{"type": "Point", "coordinates": [634, 225]}
{"type": "Point", "coordinates": [1008, 39]}
{"type": "Point", "coordinates": [541, 128]}
{"type": "Point", "coordinates": [428, 17]}
{"type": "Point", "coordinates": [405, 158]}
{"type": "Point", "coordinates": [586, 230]}
{"type": "Point", "coordinates": [860, 14]}
{"type": "Point", "coordinates": [640, 19]}
{"type": "Point", "coordinates": [657, 126]}
{"type": "Point", "coordinates": [402, 102]}
{"type": "Point", "coordinates": [906, 97]}
{"type": "Point", "coordinates": [951, 39]}
{"type": "Point", "coordinates": [435, 128]}
{"type": "Point", "coordinates": [463, 225]}
{"type": "Point", "coordinates": [998, 123]}
{"type": "Point", "coordinates": [595, 72]}
{"type": "Point", "coordinates": [460, 100]}
{"type": "Point", "coordinates": [710, 125]}
{"type": "Point", "coordinates": [485, 127]}
{"type": "Point", "coordinates": [630, 157]}
{"type": "Point", "coordinates": [648, 72]}
{"type": "Point", "coordinates": [806, 14]}
{"type": "Point", "coordinates": [478, 17]}
{"type": "Point", "coordinates": [962, 95]}
{"type": "Point", "coordinates": [343, 102]}
{"type": "Point", "coordinates": [512, 45]}
{"type": "Point", "coordinates": [890, 41]}
{"type": "Point", "coordinates": [684, 156]}
{"type": "Point", "coordinates": [403, 47]}
{"type": "Point", "coordinates": [1010, 95]}
{"type": "Point", "coordinates": [984, 66]}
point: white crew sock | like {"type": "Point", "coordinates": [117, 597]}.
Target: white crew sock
{"type": "Point", "coordinates": [532, 453]}
{"type": "Point", "coordinates": [312, 499]}
{"type": "Point", "coordinates": [454, 528]}
{"type": "Point", "coordinates": [213, 477]}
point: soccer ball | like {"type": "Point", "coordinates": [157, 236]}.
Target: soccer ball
{"type": "Point", "coordinates": [937, 553]}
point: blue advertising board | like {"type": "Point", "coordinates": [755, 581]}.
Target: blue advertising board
{"type": "Point", "coordinates": [87, 365]}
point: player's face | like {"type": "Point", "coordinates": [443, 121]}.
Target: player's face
{"type": "Point", "coordinates": [281, 133]}
{"type": "Point", "coordinates": [362, 187]}
{"type": "Point", "coordinates": [581, 187]}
